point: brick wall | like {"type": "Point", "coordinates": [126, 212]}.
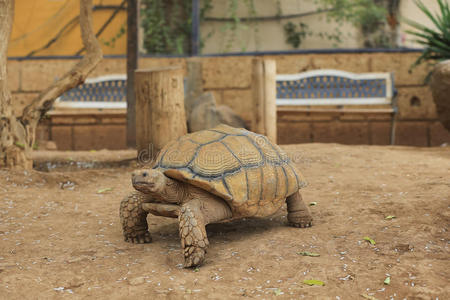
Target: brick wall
{"type": "Point", "coordinates": [229, 79]}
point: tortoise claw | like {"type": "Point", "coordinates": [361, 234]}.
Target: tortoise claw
{"type": "Point", "coordinates": [139, 239]}
{"type": "Point", "coordinates": [298, 213]}
{"type": "Point", "coordinates": [195, 259]}
{"type": "Point", "coordinates": [305, 224]}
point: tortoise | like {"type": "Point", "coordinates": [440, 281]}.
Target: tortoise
{"type": "Point", "coordinates": [210, 176]}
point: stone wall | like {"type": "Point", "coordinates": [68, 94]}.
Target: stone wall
{"type": "Point", "coordinates": [229, 79]}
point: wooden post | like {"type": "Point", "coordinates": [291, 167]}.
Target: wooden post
{"type": "Point", "coordinates": [195, 36]}
{"type": "Point", "coordinates": [160, 114]}
{"type": "Point", "coordinates": [264, 97]}
{"type": "Point", "coordinates": [194, 82]}
{"type": "Point", "coordinates": [132, 65]}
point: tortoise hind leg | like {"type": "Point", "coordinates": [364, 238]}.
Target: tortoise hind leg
{"type": "Point", "coordinates": [194, 216]}
{"type": "Point", "coordinates": [134, 219]}
{"type": "Point", "coordinates": [298, 213]}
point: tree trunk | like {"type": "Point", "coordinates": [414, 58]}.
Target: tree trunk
{"type": "Point", "coordinates": [12, 148]}
{"type": "Point", "coordinates": [17, 135]}
{"type": "Point", "coordinates": [160, 117]}
{"type": "Point", "coordinates": [440, 88]}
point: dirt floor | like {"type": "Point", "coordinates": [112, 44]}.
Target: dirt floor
{"type": "Point", "coordinates": [60, 234]}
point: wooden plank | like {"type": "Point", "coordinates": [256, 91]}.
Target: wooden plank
{"type": "Point", "coordinates": [86, 111]}
{"type": "Point", "coordinates": [335, 110]}
{"type": "Point", "coordinates": [195, 36]}
{"type": "Point", "coordinates": [194, 82]}
{"type": "Point", "coordinates": [264, 98]}
{"type": "Point", "coordinates": [91, 105]}
{"type": "Point", "coordinates": [334, 101]}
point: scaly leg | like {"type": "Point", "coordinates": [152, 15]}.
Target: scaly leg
{"type": "Point", "coordinates": [194, 216]}
{"type": "Point", "coordinates": [163, 210]}
{"type": "Point", "coordinates": [134, 219]}
{"type": "Point", "coordinates": [298, 213]}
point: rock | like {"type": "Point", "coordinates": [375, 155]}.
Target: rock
{"type": "Point", "coordinates": [136, 280]}
{"type": "Point", "coordinates": [75, 282]}
{"type": "Point", "coordinates": [51, 146]}
{"type": "Point", "coordinates": [77, 259]}
{"type": "Point", "coordinates": [206, 114]}
{"type": "Point", "coordinates": [203, 115]}
{"type": "Point", "coordinates": [227, 116]}
{"type": "Point", "coordinates": [403, 248]}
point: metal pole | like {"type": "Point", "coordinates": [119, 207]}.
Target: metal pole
{"type": "Point", "coordinates": [195, 38]}
{"type": "Point", "coordinates": [132, 65]}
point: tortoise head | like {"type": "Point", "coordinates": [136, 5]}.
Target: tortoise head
{"type": "Point", "coordinates": [148, 181]}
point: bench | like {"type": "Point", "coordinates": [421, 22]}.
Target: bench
{"type": "Point", "coordinates": [100, 93]}
{"type": "Point", "coordinates": [105, 92]}
{"type": "Point", "coordinates": [335, 91]}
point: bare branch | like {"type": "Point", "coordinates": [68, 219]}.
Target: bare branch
{"type": "Point", "coordinates": [105, 25]}
{"type": "Point", "coordinates": [63, 30]}
{"type": "Point", "coordinates": [43, 103]}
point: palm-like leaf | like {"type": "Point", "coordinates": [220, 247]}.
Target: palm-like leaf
{"type": "Point", "coordinates": [436, 41]}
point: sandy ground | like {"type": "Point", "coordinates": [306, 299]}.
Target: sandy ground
{"type": "Point", "coordinates": [60, 235]}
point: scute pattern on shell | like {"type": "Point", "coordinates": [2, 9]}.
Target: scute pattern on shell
{"type": "Point", "coordinates": [253, 175]}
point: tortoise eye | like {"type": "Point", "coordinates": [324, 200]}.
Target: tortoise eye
{"type": "Point", "coordinates": [145, 174]}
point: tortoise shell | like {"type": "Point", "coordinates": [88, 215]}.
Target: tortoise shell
{"type": "Point", "coordinates": [250, 173]}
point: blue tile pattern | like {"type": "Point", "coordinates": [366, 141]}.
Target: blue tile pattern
{"type": "Point", "coordinates": [327, 86]}
{"type": "Point", "coordinates": [104, 91]}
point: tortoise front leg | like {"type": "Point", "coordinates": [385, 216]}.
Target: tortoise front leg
{"type": "Point", "coordinates": [298, 213]}
{"type": "Point", "coordinates": [194, 216]}
{"type": "Point", "coordinates": [134, 218]}
{"type": "Point", "coordinates": [163, 210]}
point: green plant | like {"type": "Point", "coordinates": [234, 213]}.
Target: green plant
{"type": "Point", "coordinates": [231, 28]}
{"type": "Point", "coordinates": [167, 26]}
{"type": "Point", "coordinates": [112, 41]}
{"type": "Point", "coordinates": [436, 41]}
{"type": "Point", "coordinates": [295, 37]}
{"type": "Point", "coordinates": [370, 16]}
{"type": "Point", "coordinates": [365, 14]}
{"type": "Point", "coordinates": [167, 23]}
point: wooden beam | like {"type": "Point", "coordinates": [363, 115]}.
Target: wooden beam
{"type": "Point", "coordinates": [195, 37]}
{"type": "Point", "coordinates": [132, 65]}
{"type": "Point", "coordinates": [264, 98]}
{"type": "Point", "coordinates": [335, 110]}
{"type": "Point", "coordinates": [194, 82]}
{"type": "Point", "coordinates": [87, 111]}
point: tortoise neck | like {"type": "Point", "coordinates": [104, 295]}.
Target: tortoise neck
{"type": "Point", "coordinates": [174, 191]}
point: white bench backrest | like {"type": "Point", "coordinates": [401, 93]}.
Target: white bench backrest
{"type": "Point", "coordinates": [106, 92]}
{"type": "Point", "coordinates": [334, 87]}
